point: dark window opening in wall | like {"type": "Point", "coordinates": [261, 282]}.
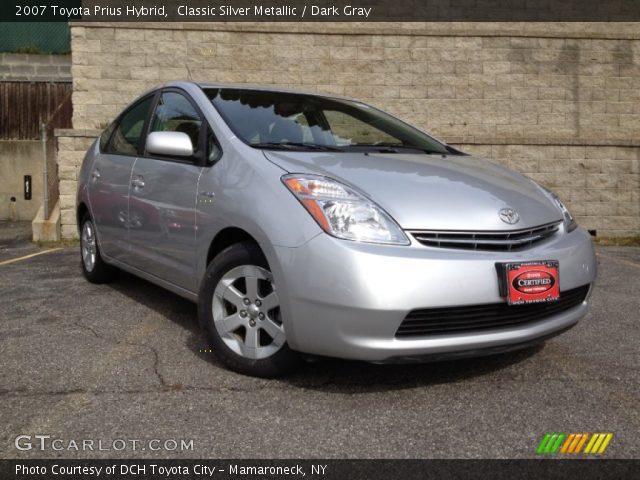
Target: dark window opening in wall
{"type": "Point", "coordinates": [27, 187]}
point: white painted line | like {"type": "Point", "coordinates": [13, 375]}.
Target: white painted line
{"type": "Point", "coordinates": [19, 259]}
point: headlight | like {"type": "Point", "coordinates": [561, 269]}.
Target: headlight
{"type": "Point", "coordinates": [569, 222]}
{"type": "Point", "coordinates": [343, 212]}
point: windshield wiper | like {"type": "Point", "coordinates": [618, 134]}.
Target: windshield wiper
{"type": "Point", "coordinates": [383, 147]}
{"type": "Point", "coordinates": [455, 151]}
{"type": "Point", "coordinates": [296, 146]}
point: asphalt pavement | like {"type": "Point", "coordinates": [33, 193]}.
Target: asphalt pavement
{"type": "Point", "coordinates": [127, 361]}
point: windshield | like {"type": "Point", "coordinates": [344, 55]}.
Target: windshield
{"type": "Point", "coordinates": [291, 121]}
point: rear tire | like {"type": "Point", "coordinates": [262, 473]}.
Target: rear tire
{"type": "Point", "coordinates": [239, 307]}
{"type": "Point", "coordinates": [93, 266]}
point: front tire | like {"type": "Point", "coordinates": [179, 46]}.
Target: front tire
{"type": "Point", "coordinates": [93, 266]}
{"type": "Point", "coordinates": [238, 305]}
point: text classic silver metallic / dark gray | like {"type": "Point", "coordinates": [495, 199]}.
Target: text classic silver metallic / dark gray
{"type": "Point", "coordinates": [309, 224]}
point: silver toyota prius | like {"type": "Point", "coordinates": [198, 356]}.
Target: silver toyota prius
{"type": "Point", "coordinates": [307, 225]}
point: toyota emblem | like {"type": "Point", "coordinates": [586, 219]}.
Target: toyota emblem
{"type": "Point", "coordinates": [509, 215]}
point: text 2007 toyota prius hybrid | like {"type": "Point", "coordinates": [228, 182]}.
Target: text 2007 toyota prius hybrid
{"type": "Point", "coordinates": [309, 224]}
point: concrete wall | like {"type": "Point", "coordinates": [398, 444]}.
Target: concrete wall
{"type": "Point", "coordinates": [560, 102]}
{"type": "Point", "coordinates": [17, 159]}
{"type": "Point", "coordinates": [24, 157]}
{"type": "Point", "coordinates": [35, 68]}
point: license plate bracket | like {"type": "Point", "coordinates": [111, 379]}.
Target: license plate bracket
{"type": "Point", "coordinates": [529, 282]}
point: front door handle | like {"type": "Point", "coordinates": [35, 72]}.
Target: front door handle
{"type": "Point", "coordinates": [95, 175]}
{"type": "Point", "coordinates": [137, 183]}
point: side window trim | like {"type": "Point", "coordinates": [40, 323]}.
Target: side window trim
{"type": "Point", "coordinates": [147, 123]}
{"type": "Point", "coordinates": [110, 129]}
{"type": "Point", "coordinates": [109, 146]}
{"type": "Point", "coordinates": [210, 131]}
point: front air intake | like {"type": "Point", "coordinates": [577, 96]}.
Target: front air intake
{"type": "Point", "coordinates": [473, 318]}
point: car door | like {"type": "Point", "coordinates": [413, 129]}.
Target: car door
{"type": "Point", "coordinates": [109, 180]}
{"type": "Point", "coordinates": [162, 198]}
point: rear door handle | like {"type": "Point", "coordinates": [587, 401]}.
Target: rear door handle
{"type": "Point", "coordinates": [95, 175]}
{"type": "Point", "coordinates": [137, 183]}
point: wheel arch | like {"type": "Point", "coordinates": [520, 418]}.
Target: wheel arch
{"type": "Point", "coordinates": [233, 234]}
{"type": "Point", "coordinates": [81, 211]}
{"type": "Point", "coordinates": [227, 237]}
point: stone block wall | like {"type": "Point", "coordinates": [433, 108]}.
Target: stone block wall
{"type": "Point", "coordinates": [559, 102]}
{"type": "Point", "coordinates": [72, 146]}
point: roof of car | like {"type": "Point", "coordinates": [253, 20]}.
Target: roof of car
{"type": "Point", "coordinates": [264, 88]}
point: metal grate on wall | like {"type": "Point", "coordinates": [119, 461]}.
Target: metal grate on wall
{"type": "Point", "coordinates": [35, 37]}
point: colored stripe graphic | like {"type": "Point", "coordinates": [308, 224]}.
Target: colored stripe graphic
{"type": "Point", "coordinates": [598, 443]}
{"type": "Point", "coordinates": [604, 445]}
{"type": "Point", "coordinates": [543, 443]}
{"type": "Point", "coordinates": [556, 445]}
{"type": "Point", "coordinates": [594, 437]}
{"type": "Point", "coordinates": [567, 443]}
{"type": "Point", "coordinates": [596, 447]}
{"type": "Point", "coordinates": [578, 441]}
{"type": "Point", "coordinates": [550, 443]}
{"type": "Point", "coordinates": [572, 443]}
{"type": "Point", "coordinates": [582, 442]}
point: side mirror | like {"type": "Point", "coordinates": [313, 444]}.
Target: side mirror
{"type": "Point", "coordinates": [171, 144]}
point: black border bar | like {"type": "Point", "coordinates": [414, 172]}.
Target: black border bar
{"type": "Point", "coordinates": [583, 469]}
{"type": "Point", "coordinates": [320, 10]}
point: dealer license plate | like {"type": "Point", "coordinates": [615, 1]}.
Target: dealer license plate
{"type": "Point", "coordinates": [530, 282]}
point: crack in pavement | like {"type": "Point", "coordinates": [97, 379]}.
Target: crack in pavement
{"type": "Point", "coordinates": [176, 388]}
{"type": "Point", "coordinates": [62, 407]}
{"type": "Point", "coordinates": [154, 351]}
{"type": "Point", "coordinates": [330, 384]}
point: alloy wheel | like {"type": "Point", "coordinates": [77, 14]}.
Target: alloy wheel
{"type": "Point", "coordinates": [246, 312]}
{"type": "Point", "coordinates": [88, 240]}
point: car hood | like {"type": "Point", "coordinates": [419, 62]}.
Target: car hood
{"type": "Point", "coordinates": [432, 192]}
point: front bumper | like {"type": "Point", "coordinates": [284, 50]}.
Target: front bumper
{"type": "Point", "coordinates": [346, 299]}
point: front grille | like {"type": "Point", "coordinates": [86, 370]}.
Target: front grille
{"type": "Point", "coordinates": [506, 241]}
{"type": "Point", "coordinates": [471, 318]}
